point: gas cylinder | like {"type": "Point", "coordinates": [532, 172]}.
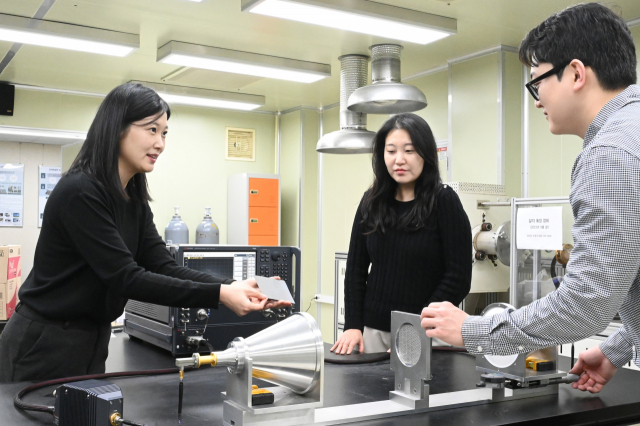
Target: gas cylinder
{"type": "Point", "coordinates": [207, 231]}
{"type": "Point", "coordinates": [176, 231]}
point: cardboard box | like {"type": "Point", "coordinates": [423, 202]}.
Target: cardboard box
{"type": "Point", "coordinates": [9, 297]}
{"type": "Point", "coordinates": [10, 279]}
{"type": "Point", "coordinates": [10, 263]}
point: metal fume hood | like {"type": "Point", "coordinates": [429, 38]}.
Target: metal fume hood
{"type": "Point", "coordinates": [386, 94]}
{"type": "Point", "coordinates": [353, 136]}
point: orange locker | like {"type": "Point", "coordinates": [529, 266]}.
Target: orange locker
{"type": "Point", "coordinates": [254, 209]}
{"type": "Point", "coordinates": [264, 192]}
{"type": "Point", "coordinates": [260, 240]}
{"type": "Point", "coordinates": [263, 221]}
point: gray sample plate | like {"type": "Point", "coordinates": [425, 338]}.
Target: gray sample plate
{"type": "Point", "coordinates": [274, 289]}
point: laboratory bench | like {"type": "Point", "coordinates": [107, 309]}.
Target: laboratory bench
{"type": "Point", "coordinates": [153, 400]}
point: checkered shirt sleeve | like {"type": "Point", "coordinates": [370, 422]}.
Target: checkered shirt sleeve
{"type": "Point", "coordinates": [603, 272]}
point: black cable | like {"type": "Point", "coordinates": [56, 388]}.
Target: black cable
{"type": "Point", "coordinates": [180, 393]}
{"type": "Point", "coordinates": [310, 304]}
{"type": "Point", "coordinates": [209, 345]}
{"type": "Point", "coordinates": [129, 422]}
{"type": "Point", "coordinates": [18, 403]}
{"type": "Point", "coordinates": [21, 405]}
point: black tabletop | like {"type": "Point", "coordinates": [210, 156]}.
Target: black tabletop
{"type": "Point", "coordinates": [153, 400]}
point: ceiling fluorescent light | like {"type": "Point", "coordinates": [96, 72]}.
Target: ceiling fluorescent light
{"type": "Point", "coordinates": [37, 32]}
{"type": "Point", "coordinates": [360, 16]}
{"type": "Point", "coordinates": [179, 95]}
{"type": "Point", "coordinates": [234, 61]}
{"type": "Point", "coordinates": [31, 134]}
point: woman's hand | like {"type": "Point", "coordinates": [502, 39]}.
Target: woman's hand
{"type": "Point", "coordinates": [275, 304]}
{"type": "Point", "coordinates": [347, 341]}
{"type": "Point", "coordinates": [241, 298]}
{"type": "Point", "coordinates": [252, 284]}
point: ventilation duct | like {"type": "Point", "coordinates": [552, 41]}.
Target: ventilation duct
{"type": "Point", "coordinates": [353, 136]}
{"type": "Point", "coordinates": [386, 94]}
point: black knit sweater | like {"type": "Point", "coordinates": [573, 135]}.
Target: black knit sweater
{"type": "Point", "coordinates": [409, 270]}
{"type": "Point", "coordinates": [94, 253]}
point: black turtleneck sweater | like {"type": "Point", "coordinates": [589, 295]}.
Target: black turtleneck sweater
{"type": "Point", "coordinates": [94, 253]}
{"type": "Point", "coordinates": [409, 270]}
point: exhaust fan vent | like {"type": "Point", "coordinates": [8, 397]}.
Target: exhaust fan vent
{"type": "Point", "coordinates": [241, 144]}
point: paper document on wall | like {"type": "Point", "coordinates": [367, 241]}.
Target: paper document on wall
{"type": "Point", "coordinates": [49, 177]}
{"type": "Point", "coordinates": [11, 194]}
{"type": "Point", "coordinates": [539, 228]}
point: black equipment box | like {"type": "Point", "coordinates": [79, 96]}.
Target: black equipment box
{"type": "Point", "coordinates": [180, 330]}
{"type": "Point", "coordinates": [87, 403]}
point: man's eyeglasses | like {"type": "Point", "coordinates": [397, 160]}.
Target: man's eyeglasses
{"type": "Point", "coordinates": [532, 86]}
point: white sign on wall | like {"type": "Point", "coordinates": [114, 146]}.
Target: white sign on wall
{"type": "Point", "coordinates": [11, 194]}
{"type": "Point", "coordinates": [443, 159]}
{"type": "Point", "coordinates": [539, 228]}
{"type": "Point", "coordinates": [49, 177]}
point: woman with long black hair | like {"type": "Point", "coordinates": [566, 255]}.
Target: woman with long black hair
{"type": "Point", "coordinates": [99, 247]}
{"type": "Point", "coordinates": [413, 233]}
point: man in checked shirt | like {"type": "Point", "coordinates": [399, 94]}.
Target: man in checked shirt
{"type": "Point", "coordinates": [583, 70]}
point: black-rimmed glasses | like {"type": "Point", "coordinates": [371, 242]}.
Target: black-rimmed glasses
{"type": "Point", "coordinates": [532, 86]}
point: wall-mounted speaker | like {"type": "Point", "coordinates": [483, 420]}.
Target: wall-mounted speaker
{"type": "Point", "coordinates": [7, 97]}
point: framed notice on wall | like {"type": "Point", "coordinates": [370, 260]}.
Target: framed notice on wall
{"type": "Point", "coordinates": [11, 194]}
{"type": "Point", "coordinates": [49, 177]}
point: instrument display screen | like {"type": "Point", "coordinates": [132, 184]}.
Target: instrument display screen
{"type": "Point", "coordinates": [237, 265]}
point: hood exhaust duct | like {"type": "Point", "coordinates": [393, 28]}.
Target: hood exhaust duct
{"type": "Point", "coordinates": [353, 136]}
{"type": "Point", "coordinates": [386, 94]}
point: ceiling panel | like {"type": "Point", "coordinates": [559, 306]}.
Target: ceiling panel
{"type": "Point", "coordinates": [220, 23]}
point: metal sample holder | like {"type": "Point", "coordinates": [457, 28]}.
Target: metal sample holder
{"type": "Point", "coordinates": [510, 373]}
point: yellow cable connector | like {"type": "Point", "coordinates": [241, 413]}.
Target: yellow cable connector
{"type": "Point", "coordinates": [115, 419]}
{"type": "Point", "coordinates": [211, 360]}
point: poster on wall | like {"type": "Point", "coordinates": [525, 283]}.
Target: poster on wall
{"type": "Point", "coordinates": [443, 163]}
{"type": "Point", "coordinates": [11, 194]}
{"type": "Point", "coordinates": [49, 177]}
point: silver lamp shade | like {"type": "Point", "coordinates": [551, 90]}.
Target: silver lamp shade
{"type": "Point", "coordinates": [353, 136]}
{"type": "Point", "coordinates": [346, 141]}
{"type": "Point", "coordinates": [387, 94]}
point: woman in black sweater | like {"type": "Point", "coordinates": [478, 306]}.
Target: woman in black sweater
{"type": "Point", "coordinates": [413, 233]}
{"type": "Point", "coordinates": [98, 247]}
